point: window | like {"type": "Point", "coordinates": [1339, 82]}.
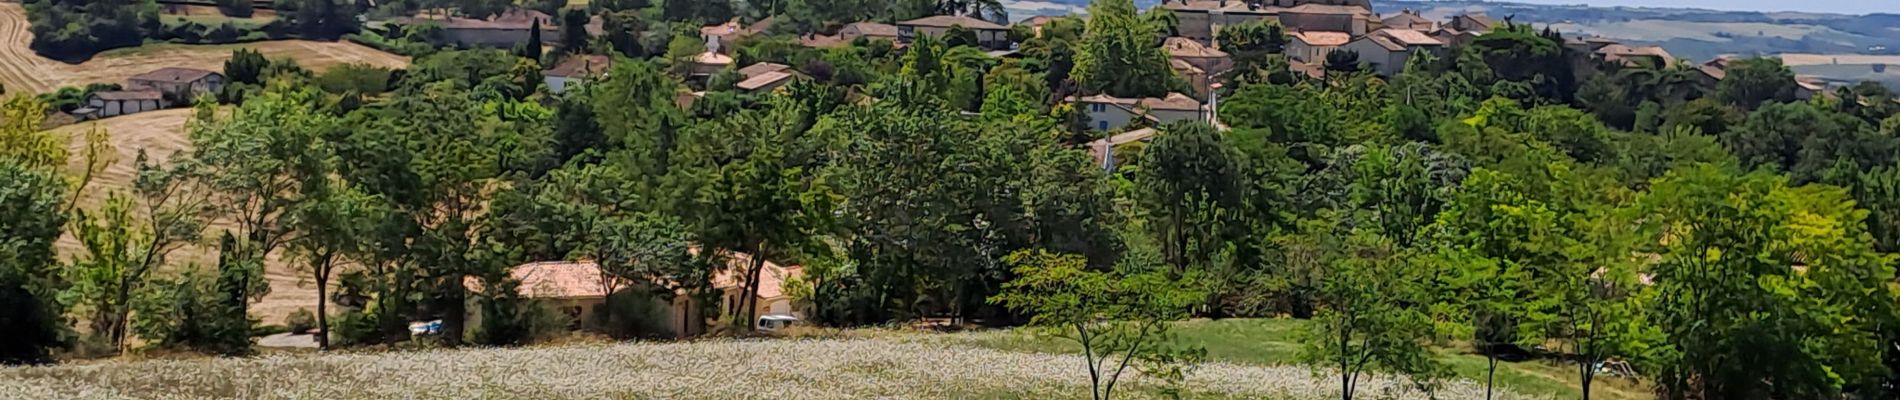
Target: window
{"type": "Point", "coordinates": [1101, 125]}
{"type": "Point", "coordinates": [1098, 107]}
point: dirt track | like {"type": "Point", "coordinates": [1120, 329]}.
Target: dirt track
{"type": "Point", "coordinates": [23, 71]}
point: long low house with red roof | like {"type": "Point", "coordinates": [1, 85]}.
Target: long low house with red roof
{"type": "Point", "coordinates": [1386, 51]}
{"type": "Point", "coordinates": [1312, 46]}
{"type": "Point", "coordinates": [576, 69]}
{"type": "Point", "coordinates": [988, 34]}
{"type": "Point", "coordinates": [150, 91]}
{"type": "Point", "coordinates": [510, 28]}
{"type": "Point", "coordinates": [579, 290]}
{"type": "Point", "coordinates": [1110, 113]}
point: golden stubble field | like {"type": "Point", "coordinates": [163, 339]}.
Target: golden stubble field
{"type": "Point", "coordinates": [162, 133]}
{"type": "Point", "coordinates": [1797, 59]}
{"type": "Point", "coordinates": [25, 72]}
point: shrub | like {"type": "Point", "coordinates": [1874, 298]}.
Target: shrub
{"type": "Point", "coordinates": [300, 321]}
{"type": "Point", "coordinates": [189, 312]}
{"type": "Point", "coordinates": [632, 313]}
{"type": "Point", "coordinates": [508, 319]}
{"type": "Point", "coordinates": [365, 79]}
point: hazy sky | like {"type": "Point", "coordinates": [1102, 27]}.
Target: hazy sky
{"type": "Point", "coordinates": [1834, 6]}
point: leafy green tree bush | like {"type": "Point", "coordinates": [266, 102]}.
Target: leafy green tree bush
{"type": "Point", "coordinates": [1120, 319]}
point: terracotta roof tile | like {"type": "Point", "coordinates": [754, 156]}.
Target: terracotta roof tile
{"type": "Point", "coordinates": [1185, 47]}
{"type": "Point", "coordinates": [1383, 42]}
{"type": "Point", "coordinates": [129, 95]}
{"type": "Point", "coordinates": [1409, 19]}
{"type": "Point", "coordinates": [1323, 38]}
{"type": "Point", "coordinates": [1410, 37]}
{"type": "Point", "coordinates": [946, 21]}
{"type": "Point", "coordinates": [711, 58]}
{"type": "Point", "coordinates": [1311, 8]}
{"type": "Point", "coordinates": [1174, 101]}
{"type": "Point", "coordinates": [1231, 6]}
{"type": "Point", "coordinates": [760, 68]}
{"type": "Point", "coordinates": [771, 280]}
{"type": "Point", "coordinates": [556, 280]}
{"type": "Point", "coordinates": [586, 65]}
{"type": "Point", "coordinates": [874, 29]}
{"type": "Point", "coordinates": [763, 79]}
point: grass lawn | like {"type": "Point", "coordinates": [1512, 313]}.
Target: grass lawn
{"type": "Point", "coordinates": [1275, 342]}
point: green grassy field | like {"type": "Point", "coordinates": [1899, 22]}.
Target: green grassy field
{"type": "Point", "coordinates": [1273, 342]}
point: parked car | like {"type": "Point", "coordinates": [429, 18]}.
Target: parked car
{"type": "Point", "coordinates": [770, 323]}
{"type": "Point", "coordinates": [425, 328]}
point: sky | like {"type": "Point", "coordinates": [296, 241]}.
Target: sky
{"type": "Point", "coordinates": [1833, 6]}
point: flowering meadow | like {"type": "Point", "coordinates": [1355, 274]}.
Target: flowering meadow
{"type": "Point", "coordinates": [718, 369]}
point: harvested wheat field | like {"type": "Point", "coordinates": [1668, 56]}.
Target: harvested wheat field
{"type": "Point", "coordinates": [1827, 59]}
{"type": "Point", "coordinates": [720, 369]}
{"type": "Point", "coordinates": [162, 134]}
{"type": "Point", "coordinates": [23, 71]}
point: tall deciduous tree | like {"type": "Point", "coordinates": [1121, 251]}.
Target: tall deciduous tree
{"type": "Point", "coordinates": [127, 238]}
{"type": "Point", "coordinates": [1190, 185]}
{"type": "Point", "coordinates": [255, 163]}
{"type": "Point", "coordinates": [337, 225]}
{"type": "Point", "coordinates": [1764, 289]}
{"type": "Point", "coordinates": [1756, 81]}
{"type": "Point", "coordinates": [1119, 54]}
{"type": "Point", "coordinates": [29, 279]}
{"type": "Point", "coordinates": [1121, 320]}
{"type": "Point", "coordinates": [751, 194]}
{"type": "Point", "coordinates": [1372, 314]}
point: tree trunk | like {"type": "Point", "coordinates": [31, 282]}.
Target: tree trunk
{"type": "Point", "coordinates": [1585, 374]}
{"type": "Point", "coordinates": [1491, 374]}
{"type": "Point", "coordinates": [123, 312]}
{"type": "Point", "coordinates": [751, 292]}
{"type": "Point", "coordinates": [323, 302]}
{"type": "Point", "coordinates": [453, 307]}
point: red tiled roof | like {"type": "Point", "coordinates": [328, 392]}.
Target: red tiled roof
{"type": "Point", "coordinates": [1184, 67]}
{"type": "Point", "coordinates": [720, 30]}
{"type": "Point", "coordinates": [557, 280]}
{"type": "Point", "coordinates": [1322, 38]}
{"type": "Point", "coordinates": [755, 69]}
{"type": "Point", "coordinates": [946, 21]}
{"type": "Point", "coordinates": [711, 58]}
{"type": "Point", "coordinates": [1409, 19]}
{"type": "Point", "coordinates": [582, 65]}
{"type": "Point", "coordinates": [1409, 37]}
{"type": "Point", "coordinates": [1038, 20]}
{"type": "Point", "coordinates": [821, 41]}
{"type": "Point", "coordinates": [1383, 42]}
{"type": "Point", "coordinates": [1185, 47]}
{"type": "Point", "coordinates": [763, 79]}
{"type": "Point", "coordinates": [1619, 53]}
{"type": "Point", "coordinates": [1311, 8]}
{"type": "Point", "coordinates": [512, 19]}
{"type": "Point", "coordinates": [874, 29]}
{"type": "Point", "coordinates": [1225, 6]}
{"type": "Point", "coordinates": [1174, 101]}
{"type": "Point", "coordinates": [771, 280]}
{"type": "Point", "coordinates": [1712, 71]}
{"type": "Point", "coordinates": [129, 95]}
